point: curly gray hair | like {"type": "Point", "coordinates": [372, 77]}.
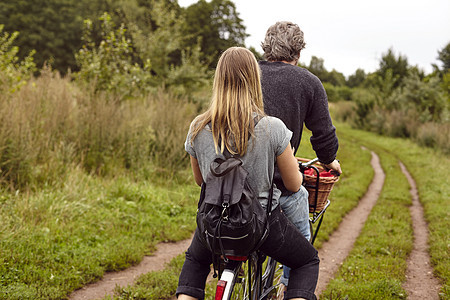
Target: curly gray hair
{"type": "Point", "coordinates": [283, 42]}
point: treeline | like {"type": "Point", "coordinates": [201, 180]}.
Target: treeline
{"type": "Point", "coordinates": [135, 73]}
{"type": "Point", "coordinates": [397, 100]}
{"type": "Point", "coordinates": [159, 29]}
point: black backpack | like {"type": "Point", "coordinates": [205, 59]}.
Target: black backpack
{"type": "Point", "coordinates": [230, 218]}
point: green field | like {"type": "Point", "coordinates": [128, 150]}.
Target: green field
{"type": "Point", "coordinates": [375, 269]}
{"type": "Point", "coordinates": [56, 240]}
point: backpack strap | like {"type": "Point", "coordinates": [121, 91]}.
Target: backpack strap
{"type": "Point", "coordinates": [227, 154]}
{"type": "Point", "coordinates": [269, 200]}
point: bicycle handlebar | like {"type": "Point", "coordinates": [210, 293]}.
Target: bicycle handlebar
{"type": "Point", "coordinates": [309, 163]}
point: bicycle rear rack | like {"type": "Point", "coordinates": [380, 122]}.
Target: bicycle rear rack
{"type": "Point", "coordinates": [318, 216]}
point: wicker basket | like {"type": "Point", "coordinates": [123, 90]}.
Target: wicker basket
{"type": "Point", "coordinates": [325, 186]}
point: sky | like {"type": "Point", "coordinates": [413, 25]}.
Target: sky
{"type": "Point", "coordinates": [352, 34]}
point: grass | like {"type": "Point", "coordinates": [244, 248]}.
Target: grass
{"type": "Point", "coordinates": [54, 241]}
{"type": "Point", "coordinates": [154, 285]}
{"type": "Point", "coordinates": [375, 268]}
{"type": "Point", "coordinates": [356, 177]}
{"type": "Point", "coordinates": [57, 239]}
{"type": "Point", "coordinates": [353, 184]}
{"type": "Point", "coordinates": [428, 168]}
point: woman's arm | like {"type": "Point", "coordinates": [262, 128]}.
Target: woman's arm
{"type": "Point", "coordinates": [196, 170]}
{"type": "Point", "coordinates": [288, 166]}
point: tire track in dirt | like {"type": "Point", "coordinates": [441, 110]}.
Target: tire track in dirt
{"type": "Point", "coordinates": [98, 290]}
{"type": "Point", "coordinates": [420, 282]}
{"type": "Point", "coordinates": [336, 249]}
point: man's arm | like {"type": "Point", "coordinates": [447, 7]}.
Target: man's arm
{"type": "Point", "coordinates": [323, 140]}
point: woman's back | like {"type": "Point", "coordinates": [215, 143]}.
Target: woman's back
{"type": "Point", "coordinates": [271, 137]}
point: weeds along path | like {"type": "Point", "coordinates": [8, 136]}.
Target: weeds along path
{"type": "Point", "coordinates": [336, 249]}
{"type": "Point", "coordinates": [98, 290]}
{"type": "Point", "coordinates": [420, 282]}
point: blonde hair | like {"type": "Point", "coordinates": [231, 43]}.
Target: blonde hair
{"type": "Point", "coordinates": [283, 42]}
{"type": "Point", "coordinates": [236, 97]}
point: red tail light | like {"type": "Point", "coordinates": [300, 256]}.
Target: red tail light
{"type": "Point", "coordinates": [221, 285]}
{"type": "Point", "coordinates": [237, 258]}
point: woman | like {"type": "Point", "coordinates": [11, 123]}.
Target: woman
{"type": "Point", "coordinates": [229, 124]}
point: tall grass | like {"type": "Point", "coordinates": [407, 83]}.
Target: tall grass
{"type": "Point", "coordinates": [52, 125]}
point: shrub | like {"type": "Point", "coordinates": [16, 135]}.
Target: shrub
{"type": "Point", "coordinates": [343, 111]}
{"type": "Point", "coordinates": [365, 102]}
{"type": "Point", "coordinates": [435, 136]}
{"type": "Point", "coordinates": [129, 63]}
{"type": "Point", "coordinates": [332, 92]}
{"type": "Point", "coordinates": [110, 64]}
{"type": "Point", "coordinates": [419, 110]}
{"type": "Point", "coordinates": [13, 74]}
{"type": "Point", "coordinates": [337, 93]}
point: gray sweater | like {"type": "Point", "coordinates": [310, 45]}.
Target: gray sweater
{"type": "Point", "coordinates": [297, 97]}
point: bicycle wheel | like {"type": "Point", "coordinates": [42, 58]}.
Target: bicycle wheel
{"type": "Point", "coordinates": [248, 287]}
{"type": "Point", "coordinates": [271, 279]}
{"type": "Point", "coordinates": [235, 282]}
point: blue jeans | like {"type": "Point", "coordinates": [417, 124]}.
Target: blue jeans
{"type": "Point", "coordinates": [296, 208]}
{"type": "Point", "coordinates": [284, 243]}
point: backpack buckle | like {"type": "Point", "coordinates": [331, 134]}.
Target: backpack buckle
{"type": "Point", "coordinates": [225, 206]}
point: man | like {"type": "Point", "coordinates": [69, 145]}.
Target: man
{"type": "Point", "coordinates": [298, 98]}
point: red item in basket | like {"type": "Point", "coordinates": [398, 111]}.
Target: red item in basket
{"type": "Point", "coordinates": [311, 172]}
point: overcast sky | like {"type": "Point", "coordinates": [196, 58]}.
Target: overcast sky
{"type": "Point", "coordinates": [352, 34]}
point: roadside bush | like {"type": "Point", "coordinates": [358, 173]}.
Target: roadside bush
{"type": "Point", "coordinates": [343, 111]}
{"type": "Point", "coordinates": [111, 65]}
{"type": "Point", "coordinates": [365, 101]}
{"type": "Point", "coordinates": [129, 63]}
{"type": "Point", "coordinates": [434, 135]}
{"type": "Point", "coordinates": [332, 93]}
{"type": "Point", "coordinates": [337, 93]}
{"type": "Point", "coordinates": [419, 109]}
{"type": "Point", "coordinates": [13, 73]}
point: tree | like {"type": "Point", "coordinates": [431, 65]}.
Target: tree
{"type": "Point", "coordinates": [13, 72]}
{"type": "Point", "coordinates": [335, 78]}
{"type": "Point", "coordinates": [317, 67]}
{"type": "Point", "coordinates": [256, 53]}
{"type": "Point", "coordinates": [215, 25]}
{"type": "Point", "coordinates": [357, 79]}
{"type": "Point", "coordinates": [53, 28]}
{"type": "Point", "coordinates": [397, 65]}
{"type": "Point", "coordinates": [444, 57]}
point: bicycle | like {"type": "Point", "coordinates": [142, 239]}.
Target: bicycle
{"type": "Point", "coordinates": [252, 277]}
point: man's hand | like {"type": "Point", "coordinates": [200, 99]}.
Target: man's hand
{"type": "Point", "coordinates": [334, 165]}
